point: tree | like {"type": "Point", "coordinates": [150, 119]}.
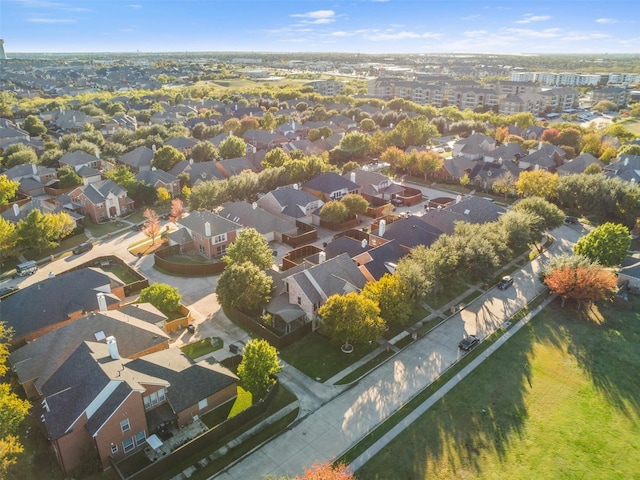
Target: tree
{"type": "Point", "coordinates": [8, 189]}
{"type": "Point", "coordinates": [631, 149]}
{"type": "Point", "coordinates": [327, 471]}
{"type": "Point", "coordinates": [122, 175]}
{"type": "Point", "coordinates": [34, 126]}
{"type": "Point", "coordinates": [164, 197]}
{"type": "Point", "coordinates": [579, 279]}
{"type": "Point", "coordinates": [68, 177]}
{"type": "Point", "coordinates": [465, 180]}
{"type": "Point", "coordinates": [356, 204]}
{"type": "Point", "coordinates": [607, 244]}
{"type": "Point", "coordinates": [548, 216]}
{"type": "Point", "coordinates": [351, 318]}
{"type": "Point", "coordinates": [350, 166]}
{"type": "Point", "coordinates": [355, 144]}
{"type": "Point", "coordinates": [166, 157]}
{"type": "Point", "coordinates": [35, 231]}
{"type": "Point", "coordinates": [275, 158]}
{"type": "Point", "coordinates": [151, 226]}
{"type": "Point", "coordinates": [367, 125]}
{"type": "Point", "coordinates": [232, 147]}
{"type": "Point", "coordinates": [334, 212]}
{"type": "Point", "coordinates": [258, 367]}
{"type": "Point", "coordinates": [504, 184]}
{"type": "Point", "coordinates": [60, 225]}
{"type": "Point", "coordinates": [204, 152]}
{"type": "Point", "coordinates": [427, 163]}
{"type": "Point", "coordinates": [519, 229]}
{"type": "Point", "coordinates": [26, 155]}
{"type": "Point", "coordinates": [412, 132]}
{"type": "Point", "coordinates": [162, 296]}
{"type": "Point", "coordinates": [249, 246]}
{"type": "Point", "coordinates": [539, 183]}
{"type": "Point", "coordinates": [177, 209]}
{"type": "Point", "coordinates": [8, 238]}
{"type": "Point", "coordinates": [244, 286]}
{"type": "Point", "coordinates": [13, 410]}
{"type": "Point", "coordinates": [394, 157]}
{"type": "Point", "coordinates": [391, 294]}
{"type": "Point", "coordinates": [604, 106]}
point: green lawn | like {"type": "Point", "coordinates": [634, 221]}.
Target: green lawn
{"type": "Point", "coordinates": [202, 347]}
{"type": "Point", "coordinates": [633, 125]}
{"type": "Point", "coordinates": [561, 399]}
{"type": "Point", "coordinates": [317, 357]}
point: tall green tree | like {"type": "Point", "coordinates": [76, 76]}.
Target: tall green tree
{"type": "Point", "coordinates": [34, 231]}
{"type": "Point", "coordinates": [204, 151]}
{"type": "Point", "coordinates": [258, 367]}
{"type": "Point", "coordinates": [275, 158]}
{"type": "Point", "coordinates": [121, 175]}
{"type": "Point", "coordinates": [356, 204]}
{"type": "Point", "coordinates": [8, 238]}
{"type": "Point", "coordinates": [34, 126]}
{"type": "Point", "coordinates": [391, 294]}
{"type": "Point", "coordinates": [162, 296]}
{"type": "Point", "coordinates": [232, 147]}
{"type": "Point", "coordinates": [249, 246]}
{"type": "Point", "coordinates": [548, 215]}
{"type": "Point", "coordinates": [607, 244]}
{"type": "Point", "coordinates": [68, 177]}
{"type": "Point", "coordinates": [244, 286]}
{"type": "Point", "coordinates": [352, 319]}
{"type": "Point", "coordinates": [334, 212]}
{"type": "Point", "coordinates": [166, 157]}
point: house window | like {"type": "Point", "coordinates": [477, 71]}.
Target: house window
{"type": "Point", "coordinates": [124, 425]}
{"type": "Point", "coordinates": [161, 395]}
{"type": "Point", "coordinates": [202, 404]}
{"type": "Point", "coordinates": [141, 437]}
{"type": "Point", "coordinates": [153, 399]}
{"type": "Point", "coordinates": [201, 248]}
{"type": "Point", "coordinates": [221, 249]}
{"type": "Point", "coordinates": [114, 449]}
{"type": "Point", "coordinates": [299, 300]}
{"type": "Point", "coordinates": [127, 445]}
{"type": "Point", "coordinates": [147, 402]}
{"type": "Point", "coordinates": [287, 286]}
{"type": "Point", "coordinates": [220, 238]}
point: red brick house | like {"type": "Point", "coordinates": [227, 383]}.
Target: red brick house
{"type": "Point", "coordinates": [101, 201]}
{"type": "Point", "coordinates": [205, 232]}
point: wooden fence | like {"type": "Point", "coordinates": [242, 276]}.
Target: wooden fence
{"type": "Point", "coordinates": [162, 260]}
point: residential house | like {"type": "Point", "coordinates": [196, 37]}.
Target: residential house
{"type": "Point", "coordinates": [198, 172]}
{"type": "Point", "coordinates": [18, 211]}
{"type": "Point", "coordinates": [36, 361]}
{"type": "Point", "coordinates": [374, 186]}
{"type": "Point", "coordinates": [160, 178]}
{"type": "Point", "coordinates": [264, 140]}
{"type": "Point", "coordinates": [483, 174]}
{"type": "Point", "coordinates": [626, 167]}
{"type": "Point", "coordinates": [376, 262]}
{"type": "Point", "coordinates": [11, 133]}
{"type": "Point", "coordinates": [234, 166]}
{"type": "Point", "coordinates": [206, 233]}
{"type": "Point", "coordinates": [101, 201]}
{"type": "Point", "coordinates": [330, 186]}
{"type": "Point", "coordinates": [302, 290]}
{"type": "Point", "coordinates": [477, 209]}
{"type": "Point", "coordinates": [98, 402]}
{"type": "Point", "coordinates": [138, 160]}
{"type": "Point", "coordinates": [53, 303]}
{"type": "Point", "coordinates": [33, 178]}
{"type": "Point", "coordinates": [508, 152]}
{"type": "Point", "coordinates": [183, 144]}
{"type": "Point", "coordinates": [87, 166]}
{"type": "Point", "coordinates": [290, 203]}
{"type": "Point", "coordinates": [579, 164]}
{"type": "Point", "coordinates": [409, 232]}
{"type": "Point", "coordinates": [270, 226]}
{"type": "Point", "coordinates": [474, 147]}
{"type": "Point", "coordinates": [120, 121]}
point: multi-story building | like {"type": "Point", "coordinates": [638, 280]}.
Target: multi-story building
{"type": "Point", "coordinates": [617, 95]}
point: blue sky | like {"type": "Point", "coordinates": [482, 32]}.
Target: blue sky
{"type": "Point", "coordinates": [365, 26]}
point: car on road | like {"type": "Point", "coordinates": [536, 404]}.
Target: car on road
{"type": "Point", "coordinates": [467, 343]}
{"type": "Point", "coordinates": [138, 227]}
{"type": "Point", "coordinates": [505, 283]}
{"type": "Point", "coordinates": [570, 219]}
{"type": "Point", "coordinates": [83, 247]}
{"type": "Point", "coordinates": [6, 291]}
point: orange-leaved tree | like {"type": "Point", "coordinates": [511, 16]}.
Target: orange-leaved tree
{"type": "Point", "coordinates": [327, 471]}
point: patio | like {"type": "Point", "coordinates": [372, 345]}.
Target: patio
{"type": "Point", "coordinates": [173, 439]}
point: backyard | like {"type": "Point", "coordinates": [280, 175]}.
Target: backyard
{"type": "Point", "coordinates": [559, 400]}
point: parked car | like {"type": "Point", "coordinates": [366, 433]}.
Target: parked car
{"type": "Point", "coordinates": [468, 343]}
{"type": "Point", "coordinates": [569, 219]}
{"type": "Point", "coordinates": [26, 268]}
{"type": "Point", "coordinates": [6, 291]}
{"type": "Point", "coordinates": [138, 227]}
{"type": "Point", "coordinates": [83, 247]}
{"type": "Point", "coordinates": [505, 283]}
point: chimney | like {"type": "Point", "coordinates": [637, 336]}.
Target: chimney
{"type": "Point", "coordinates": [112, 345]}
{"type": "Point", "coordinates": [34, 168]}
{"type": "Point", "coordinates": [322, 257]}
{"type": "Point", "coordinates": [153, 147]}
{"type": "Point", "coordinates": [295, 186]}
{"type": "Point", "coordinates": [254, 205]}
{"type": "Point", "coordinates": [363, 243]}
{"type": "Point", "coordinates": [153, 169]}
{"type": "Point", "coordinates": [540, 146]}
{"type": "Point", "coordinates": [293, 125]}
{"type": "Point", "coordinates": [191, 161]}
{"type": "Point", "coordinates": [16, 210]}
{"type": "Point", "coordinates": [458, 198]}
{"type": "Point", "coordinates": [97, 153]}
{"type": "Point", "coordinates": [353, 177]}
{"type": "Point", "coordinates": [382, 227]}
{"type": "Point", "coordinates": [102, 302]}
{"type": "Point", "coordinates": [207, 229]}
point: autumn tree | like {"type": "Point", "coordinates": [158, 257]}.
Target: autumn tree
{"type": "Point", "coordinates": [249, 246]}
{"type": "Point", "coordinates": [391, 294]}
{"type": "Point", "coordinates": [162, 296]}
{"type": "Point", "coordinates": [275, 158]}
{"type": "Point", "coordinates": [244, 286]}
{"type": "Point", "coordinates": [395, 157]}
{"type": "Point", "coordinates": [607, 244]}
{"type": "Point", "coordinates": [258, 367]}
{"type": "Point", "coordinates": [177, 209]}
{"type": "Point", "coordinates": [426, 163]}
{"type": "Point", "coordinates": [151, 226]}
{"type": "Point", "coordinates": [8, 189]}
{"type": "Point", "coordinates": [351, 318]}
{"type": "Point", "coordinates": [538, 183]}
{"type": "Point", "coordinates": [327, 471]}
{"type": "Point", "coordinates": [579, 278]}
{"type": "Point", "coordinates": [504, 184]}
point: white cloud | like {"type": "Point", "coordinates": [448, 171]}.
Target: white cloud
{"type": "Point", "coordinates": [340, 34]}
{"type": "Point", "coordinates": [606, 20]}
{"type": "Point", "coordinates": [580, 37]}
{"type": "Point", "coordinates": [133, 5]}
{"type": "Point", "coordinates": [390, 35]}
{"type": "Point", "coordinates": [317, 17]}
{"type": "Point", "coordinates": [476, 33]}
{"type": "Point", "coordinates": [528, 18]}
{"type": "Point", "coordinates": [50, 20]}
{"type": "Point", "coordinates": [528, 33]}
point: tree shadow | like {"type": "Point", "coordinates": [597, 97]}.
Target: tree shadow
{"type": "Point", "coordinates": [487, 412]}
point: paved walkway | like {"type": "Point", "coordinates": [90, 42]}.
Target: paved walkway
{"type": "Point", "coordinates": [340, 423]}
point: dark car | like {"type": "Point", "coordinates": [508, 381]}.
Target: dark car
{"type": "Point", "coordinates": [468, 343]}
{"type": "Point", "coordinates": [569, 219]}
{"type": "Point", "coordinates": [505, 283]}
{"type": "Point", "coordinates": [83, 247]}
{"type": "Point", "coordinates": [6, 291]}
{"type": "Point", "coordinates": [138, 227]}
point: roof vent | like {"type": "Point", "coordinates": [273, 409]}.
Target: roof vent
{"type": "Point", "coordinates": [467, 211]}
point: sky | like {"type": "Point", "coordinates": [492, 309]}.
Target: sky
{"type": "Point", "coordinates": [356, 26]}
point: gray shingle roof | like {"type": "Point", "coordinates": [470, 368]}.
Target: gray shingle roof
{"type": "Point", "coordinates": [76, 158]}
{"type": "Point", "coordinates": [139, 158]}
{"type": "Point", "coordinates": [291, 199]}
{"type": "Point", "coordinates": [195, 221]}
{"type": "Point", "coordinates": [477, 210]}
{"type": "Point", "coordinates": [258, 218]}
{"type": "Point", "coordinates": [411, 232]}
{"type": "Point", "coordinates": [330, 182]}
